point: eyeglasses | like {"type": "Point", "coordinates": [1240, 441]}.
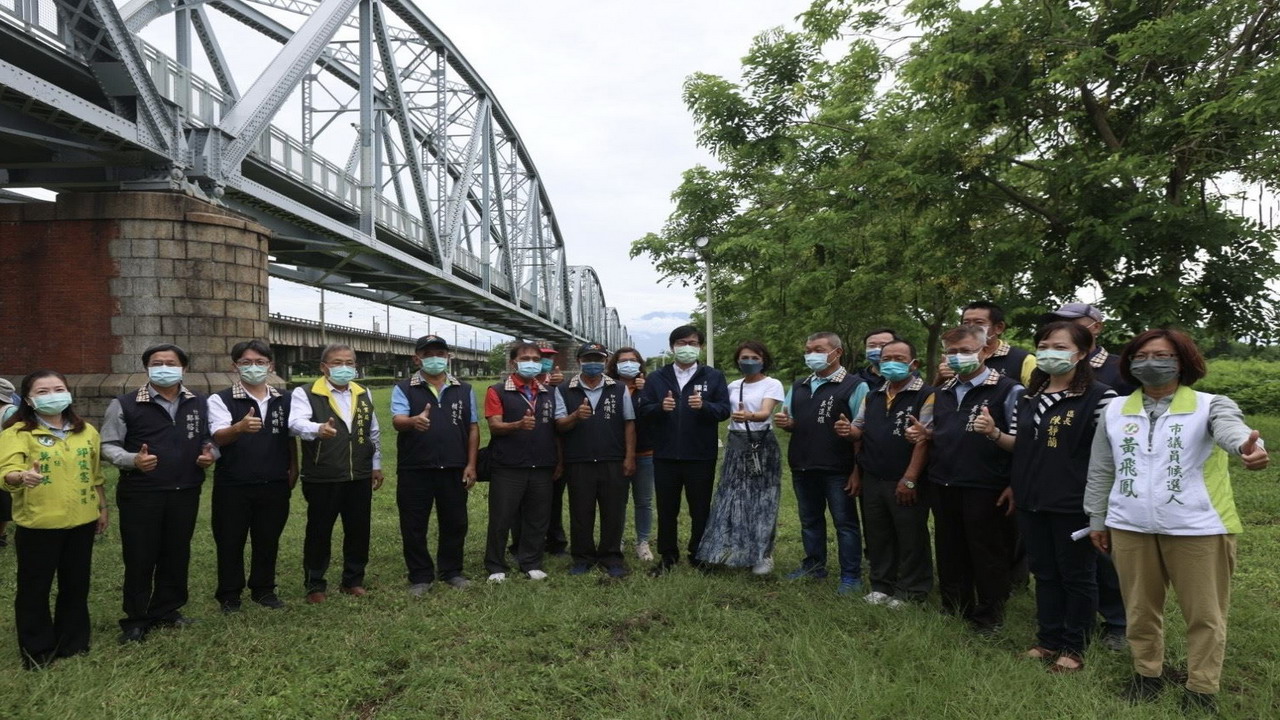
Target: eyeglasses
{"type": "Point", "coordinates": [253, 363]}
{"type": "Point", "coordinates": [1154, 356]}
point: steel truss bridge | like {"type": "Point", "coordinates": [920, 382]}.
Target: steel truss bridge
{"type": "Point", "coordinates": [353, 129]}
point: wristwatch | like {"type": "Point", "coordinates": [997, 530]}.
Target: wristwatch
{"type": "Point", "coordinates": [909, 484]}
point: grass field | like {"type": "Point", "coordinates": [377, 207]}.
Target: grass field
{"type": "Point", "coordinates": [688, 645]}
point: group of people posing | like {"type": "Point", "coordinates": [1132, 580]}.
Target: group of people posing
{"type": "Point", "coordinates": [1103, 475]}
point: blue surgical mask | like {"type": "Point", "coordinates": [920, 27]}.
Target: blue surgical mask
{"type": "Point", "coordinates": [593, 369]}
{"type": "Point", "coordinates": [51, 404]}
{"type": "Point", "coordinates": [629, 368]}
{"type": "Point", "coordinates": [895, 371]}
{"type": "Point", "coordinates": [7, 413]}
{"type": "Point", "coordinates": [253, 374]}
{"type": "Point", "coordinates": [529, 369]}
{"type": "Point", "coordinates": [434, 365]}
{"type": "Point", "coordinates": [816, 361]}
{"type": "Point", "coordinates": [963, 363]}
{"type": "Point", "coordinates": [342, 375]}
{"type": "Point", "coordinates": [686, 354]}
{"type": "Point", "coordinates": [1055, 362]}
{"type": "Point", "coordinates": [546, 365]}
{"type": "Point", "coordinates": [750, 367]}
{"type": "Point", "coordinates": [164, 376]}
{"type": "Point", "coordinates": [873, 355]}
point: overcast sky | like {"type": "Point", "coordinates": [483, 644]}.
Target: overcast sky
{"type": "Point", "coordinates": [594, 88]}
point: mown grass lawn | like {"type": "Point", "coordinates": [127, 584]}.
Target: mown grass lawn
{"type": "Point", "coordinates": [689, 645]}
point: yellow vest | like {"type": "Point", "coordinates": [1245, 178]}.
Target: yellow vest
{"type": "Point", "coordinates": [72, 470]}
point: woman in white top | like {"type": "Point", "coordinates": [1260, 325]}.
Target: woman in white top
{"type": "Point", "coordinates": [744, 513]}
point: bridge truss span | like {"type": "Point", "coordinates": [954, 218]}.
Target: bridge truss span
{"type": "Point", "coordinates": [354, 129]}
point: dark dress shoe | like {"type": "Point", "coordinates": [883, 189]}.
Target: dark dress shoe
{"type": "Point", "coordinates": [316, 597]}
{"type": "Point", "coordinates": [357, 591]}
{"type": "Point", "coordinates": [1142, 688]}
{"type": "Point", "coordinates": [229, 606]}
{"type": "Point", "coordinates": [133, 635]}
{"type": "Point", "coordinates": [270, 600]}
{"type": "Point", "coordinates": [1198, 703]}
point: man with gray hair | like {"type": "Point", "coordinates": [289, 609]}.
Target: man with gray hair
{"type": "Point", "coordinates": [822, 462]}
{"type": "Point", "coordinates": [341, 467]}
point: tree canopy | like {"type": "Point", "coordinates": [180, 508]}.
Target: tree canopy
{"type": "Point", "coordinates": [886, 162]}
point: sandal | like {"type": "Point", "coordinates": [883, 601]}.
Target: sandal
{"type": "Point", "coordinates": [1043, 654]}
{"type": "Point", "coordinates": [1067, 663]}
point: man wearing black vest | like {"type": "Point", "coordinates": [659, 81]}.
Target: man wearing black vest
{"type": "Point", "coordinates": [159, 438]}
{"type": "Point", "coordinates": [973, 504]}
{"type": "Point", "coordinates": [599, 443]}
{"type": "Point", "coordinates": [873, 342]}
{"type": "Point", "coordinates": [685, 402]}
{"type": "Point", "coordinates": [822, 462]}
{"type": "Point", "coordinates": [438, 437]}
{"type": "Point", "coordinates": [1106, 370]}
{"type": "Point", "coordinates": [523, 453]}
{"type": "Point", "coordinates": [341, 467]}
{"type": "Point", "coordinates": [891, 480]}
{"type": "Point", "coordinates": [1014, 362]}
{"type": "Point", "coordinates": [253, 479]}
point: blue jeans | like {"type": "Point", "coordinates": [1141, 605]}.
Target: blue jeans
{"type": "Point", "coordinates": [642, 492]}
{"type": "Point", "coordinates": [816, 493]}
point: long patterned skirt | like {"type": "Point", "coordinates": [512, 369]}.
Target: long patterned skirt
{"type": "Point", "coordinates": [744, 512]}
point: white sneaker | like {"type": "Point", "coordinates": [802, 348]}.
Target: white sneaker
{"type": "Point", "coordinates": [643, 552]}
{"type": "Point", "coordinates": [764, 567]}
{"type": "Point", "coordinates": [877, 598]}
{"type": "Point", "coordinates": [894, 603]}
{"type": "Point", "coordinates": [498, 577]}
{"type": "Point", "coordinates": [537, 575]}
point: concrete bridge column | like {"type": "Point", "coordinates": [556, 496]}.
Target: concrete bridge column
{"type": "Point", "coordinates": [93, 279]}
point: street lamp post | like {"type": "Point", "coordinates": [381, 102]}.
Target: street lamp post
{"type": "Point", "coordinates": [702, 243]}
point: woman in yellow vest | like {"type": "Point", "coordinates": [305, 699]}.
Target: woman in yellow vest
{"type": "Point", "coordinates": [49, 461]}
{"type": "Point", "coordinates": [1159, 500]}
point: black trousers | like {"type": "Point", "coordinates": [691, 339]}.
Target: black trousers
{"type": "Point", "coordinates": [971, 536]}
{"type": "Point", "coordinates": [416, 492]}
{"type": "Point", "coordinates": [557, 542]}
{"type": "Point", "coordinates": [326, 502]}
{"type": "Point", "coordinates": [592, 486]}
{"type": "Point", "coordinates": [155, 539]}
{"type": "Point", "coordinates": [42, 555]}
{"type": "Point", "coordinates": [897, 538]}
{"type": "Point", "coordinates": [696, 478]}
{"type": "Point", "coordinates": [257, 513]}
{"type": "Point", "coordinates": [1066, 589]}
{"type": "Point", "coordinates": [518, 495]}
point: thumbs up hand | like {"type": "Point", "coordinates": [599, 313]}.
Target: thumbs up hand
{"type": "Point", "coordinates": [915, 431]}
{"type": "Point", "coordinates": [669, 402]}
{"type": "Point", "coordinates": [985, 425]}
{"type": "Point", "coordinates": [843, 427]}
{"type": "Point", "coordinates": [639, 383]}
{"type": "Point", "coordinates": [205, 458]}
{"type": "Point", "coordinates": [422, 421]}
{"type": "Point", "coordinates": [782, 419]}
{"type": "Point", "coordinates": [584, 410]}
{"type": "Point", "coordinates": [30, 478]}
{"type": "Point", "coordinates": [144, 460]}
{"type": "Point", "coordinates": [739, 415]}
{"type": "Point", "coordinates": [328, 430]}
{"type": "Point", "coordinates": [556, 377]}
{"type": "Point", "coordinates": [1255, 456]}
{"type": "Point", "coordinates": [528, 422]}
{"type": "Point", "coordinates": [695, 400]}
{"type": "Point", "coordinates": [944, 371]}
{"type": "Point", "coordinates": [250, 423]}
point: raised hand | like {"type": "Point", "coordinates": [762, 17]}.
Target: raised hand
{"type": "Point", "coordinates": [639, 383]}
{"type": "Point", "coordinates": [250, 423]}
{"type": "Point", "coordinates": [984, 425]}
{"type": "Point", "coordinates": [328, 430]}
{"type": "Point", "coordinates": [843, 427]}
{"type": "Point", "coordinates": [945, 372]}
{"type": "Point", "coordinates": [144, 460]}
{"type": "Point", "coordinates": [1254, 457]}
{"type": "Point", "coordinates": [205, 458]}
{"type": "Point", "coordinates": [528, 422]}
{"type": "Point", "coordinates": [739, 415]}
{"type": "Point", "coordinates": [782, 419]}
{"type": "Point", "coordinates": [915, 431]}
{"type": "Point", "coordinates": [695, 400]}
{"type": "Point", "coordinates": [669, 402]}
{"type": "Point", "coordinates": [422, 421]}
{"type": "Point", "coordinates": [30, 478]}
{"type": "Point", "coordinates": [584, 410]}
{"type": "Point", "coordinates": [556, 377]}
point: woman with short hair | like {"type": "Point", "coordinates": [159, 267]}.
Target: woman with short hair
{"type": "Point", "coordinates": [50, 464]}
